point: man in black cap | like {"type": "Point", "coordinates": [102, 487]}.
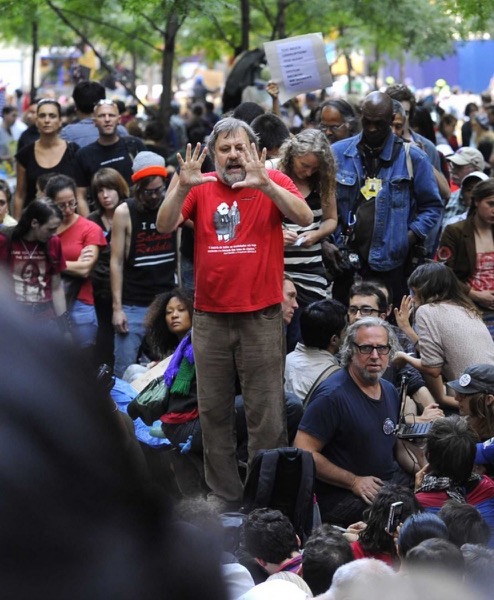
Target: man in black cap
{"type": "Point", "coordinates": [474, 391]}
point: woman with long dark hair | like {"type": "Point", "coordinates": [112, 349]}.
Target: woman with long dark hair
{"type": "Point", "coordinates": [374, 540]}
{"type": "Point", "coordinates": [468, 248]}
{"type": "Point", "coordinates": [32, 254]}
{"type": "Point", "coordinates": [49, 154]}
{"type": "Point", "coordinates": [168, 324]}
{"type": "Point", "coordinates": [449, 330]}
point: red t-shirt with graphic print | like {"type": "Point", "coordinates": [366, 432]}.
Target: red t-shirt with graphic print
{"type": "Point", "coordinates": [238, 252]}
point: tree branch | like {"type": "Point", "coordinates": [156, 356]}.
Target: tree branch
{"type": "Point", "coordinates": [103, 62]}
{"type": "Point", "coordinates": [222, 33]}
{"type": "Point", "coordinates": [132, 34]}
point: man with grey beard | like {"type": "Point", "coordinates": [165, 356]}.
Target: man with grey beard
{"type": "Point", "coordinates": [350, 423]}
{"type": "Point", "coordinates": [237, 213]}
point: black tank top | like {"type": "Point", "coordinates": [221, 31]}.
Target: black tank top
{"type": "Point", "coordinates": [150, 267]}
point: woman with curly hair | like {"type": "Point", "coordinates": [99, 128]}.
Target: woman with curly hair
{"type": "Point", "coordinates": [168, 324]}
{"type": "Point", "coordinates": [307, 159]}
{"type": "Point", "coordinates": [168, 320]}
{"type": "Point", "coordinates": [374, 539]}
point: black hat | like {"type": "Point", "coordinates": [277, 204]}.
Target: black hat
{"type": "Point", "coordinates": [476, 378]}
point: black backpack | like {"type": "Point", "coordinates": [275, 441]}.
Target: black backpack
{"type": "Point", "coordinates": [284, 479]}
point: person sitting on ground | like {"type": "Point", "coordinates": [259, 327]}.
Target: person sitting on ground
{"type": "Point", "coordinates": [168, 323]}
{"type": "Point", "coordinates": [436, 555]}
{"type": "Point", "coordinates": [355, 579]}
{"type": "Point", "coordinates": [450, 450]}
{"type": "Point", "coordinates": [417, 528]}
{"type": "Point", "coordinates": [349, 425]}
{"type": "Point", "coordinates": [450, 334]}
{"type": "Point", "coordinates": [70, 477]}
{"type": "Point", "coordinates": [325, 551]}
{"type": "Point", "coordinates": [479, 574]}
{"type": "Point", "coordinates": [373, 297]}
{"type": "Point", "coordinates": [270, 539]}
{"type": "Point", "coordinates": [474, 392]}
{"type": "Point", "coordinates": [465, 524]}
{"type": "Point", "coordinates": [322, 325]}
{"type": "Point", "coordinates": [375, 540]}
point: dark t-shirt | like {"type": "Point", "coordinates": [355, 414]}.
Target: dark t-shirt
{"type": "Point", "coordinates": [118, 156]}
{"type": "Point", "coordinates": [357, 431]}
{"type": "Point", "coordinates": [27, 159]}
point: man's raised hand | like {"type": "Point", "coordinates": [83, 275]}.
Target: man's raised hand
{"type": "Point", "coordinates": [190, 169]}
{"type": "Point", "coordinates": [256, 175]}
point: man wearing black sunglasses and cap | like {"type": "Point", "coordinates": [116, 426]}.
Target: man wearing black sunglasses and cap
{"type": "Point", "coordinates": [143, 261]}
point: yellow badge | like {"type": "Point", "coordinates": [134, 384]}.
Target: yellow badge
{"type": "Point", "coordinates": [371, 188]}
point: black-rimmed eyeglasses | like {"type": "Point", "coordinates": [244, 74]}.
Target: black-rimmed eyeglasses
{"type": "Point", "coordinates": [365, 311]}
{"type": "Point", "coordinates": [369, 349]}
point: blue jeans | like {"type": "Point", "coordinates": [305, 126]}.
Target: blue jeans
{"type": "Point", "coordinates": [84, 324]}
{"type": "Point", "coordinates": [127, 344]}
{"type": "Point", "coordinates": [251, 345]}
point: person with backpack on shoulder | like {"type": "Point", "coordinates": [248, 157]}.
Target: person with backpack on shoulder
{"type": "Point", "coordinates": [322, 325]}
{"type": "Point", "coordinates": [109, 150]}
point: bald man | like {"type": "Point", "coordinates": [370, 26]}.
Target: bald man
{"type": "Point", "coordinates": [388, 202]}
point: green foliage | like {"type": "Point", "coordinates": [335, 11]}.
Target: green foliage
{"type": "Point", "coordinates": [142, 29]}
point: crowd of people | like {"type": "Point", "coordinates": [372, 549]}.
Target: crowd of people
{"type": "Point", "coordinates": [322, 287]}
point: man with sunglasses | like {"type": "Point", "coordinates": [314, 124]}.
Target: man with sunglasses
{"type": "Point", "coordinates": [143, 261]}
{"type": "Point", "coordinates": [86, 95]}
{"type": "Point", "coordinates": [349, 425]}
{"type": "Point", "coordinates": [109, 150]}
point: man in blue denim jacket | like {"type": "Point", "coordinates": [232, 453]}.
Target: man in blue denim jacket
{"type": "Point", "coordinates": [385, 207]}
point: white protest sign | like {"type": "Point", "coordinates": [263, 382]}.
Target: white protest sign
{"type": "Point", "coordinates": [298, 64]}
